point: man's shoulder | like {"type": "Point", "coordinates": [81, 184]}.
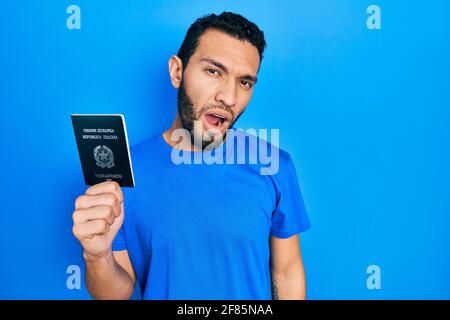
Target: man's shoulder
{"type": "Point", "coordinates": [144, 149]}
{"type": "Point", "coordinates": [262, 145]}
{"type": "Point", "coordinates": [258, 142]}
{"type": "Point", "coordinates": [143, 144]}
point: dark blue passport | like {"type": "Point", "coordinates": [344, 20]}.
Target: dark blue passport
{"type": "Point", "coordinates": [103, 148]}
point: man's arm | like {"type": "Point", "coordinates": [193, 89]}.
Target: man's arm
{"type": "Point", "coordinates": [110, 277]}
{"type": "Point", "coordinates": [287, 270]}
{"type": "Point", "coordinates": [98, 217]}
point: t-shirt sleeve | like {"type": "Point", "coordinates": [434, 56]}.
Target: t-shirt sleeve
{"type": "Point", "coordinates": [119, 241]}
{"type": "Point", "coordinates": [290, 216]}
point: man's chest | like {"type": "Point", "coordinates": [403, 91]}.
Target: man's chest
{"type": "Point", "coordinates": [229, 209]}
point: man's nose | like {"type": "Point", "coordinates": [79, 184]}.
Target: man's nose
{"type": "Point", "coordinates": [227, 94]}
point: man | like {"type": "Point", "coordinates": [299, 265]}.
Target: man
{"type": "Point", "coordinates": [199, 231]}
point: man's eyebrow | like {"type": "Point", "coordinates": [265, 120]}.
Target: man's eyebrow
{"type": "Point", "coordinates": [249, 77]}
{"type": "Point", "coordinates": [221, 66]}
{"type": "Point", "coordinates": [214, 62]}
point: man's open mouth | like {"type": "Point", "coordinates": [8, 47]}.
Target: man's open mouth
{"type": "Point", "coordinates": [216, 119]}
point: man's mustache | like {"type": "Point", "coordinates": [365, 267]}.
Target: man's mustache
{"type": "Point", "coordinates": [222, 107]}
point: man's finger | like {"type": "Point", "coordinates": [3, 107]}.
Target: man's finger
{"type": "Point", "coordinates": [105, 199]}
{"type": "Point", "coordinates": [94, 213]}
{"type": "Point", "coordinates": [106, 187]}
{"type": "Point", "coordinates": [90, 229]}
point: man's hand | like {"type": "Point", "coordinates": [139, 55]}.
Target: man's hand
{"type": "Point", "coordinates": [97, 218]}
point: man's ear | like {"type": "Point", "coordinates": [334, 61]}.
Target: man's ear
{"type": "Point", "coordinates": [175, 70]}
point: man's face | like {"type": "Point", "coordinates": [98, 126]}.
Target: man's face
{"type": "Point", "coordinates": [217, 85]}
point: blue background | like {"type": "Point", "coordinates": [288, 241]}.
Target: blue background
{"type": "Point", "coordinates": [364, 113]}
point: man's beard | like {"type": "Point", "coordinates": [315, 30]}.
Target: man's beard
{"type": "Point", "coordinates": [188, 118]}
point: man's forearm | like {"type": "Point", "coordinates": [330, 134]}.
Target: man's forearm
{"type": "Point", "coordinates": [289, 286]}
{"type": "Point", "coordinates": [105, 279]}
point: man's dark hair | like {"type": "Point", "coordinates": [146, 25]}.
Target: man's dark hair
{"type": "Point", "coordinates": [230, 23]}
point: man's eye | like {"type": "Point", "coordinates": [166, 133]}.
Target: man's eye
{"type": "Point", "coordinates": [213, 71]}
{"type": "Point", "coordinates": [247, 84]}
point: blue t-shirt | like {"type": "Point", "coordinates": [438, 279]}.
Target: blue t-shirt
{"type": "Point", "coordinates": [201, 231]}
